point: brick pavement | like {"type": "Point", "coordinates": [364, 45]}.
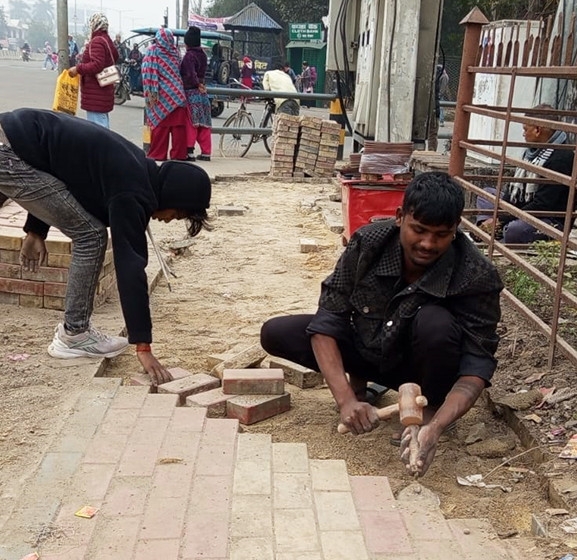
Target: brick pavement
{"type": "Point", "coordinates": [170, 483]}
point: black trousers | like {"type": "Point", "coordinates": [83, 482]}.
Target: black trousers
{"type": "Point", "coordinates": [431, 355]}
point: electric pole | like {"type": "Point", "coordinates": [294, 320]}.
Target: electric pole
{"type": "Point", "coordinates": [184, 14]}
{"type": "Point", "coordinates": [62, 31]}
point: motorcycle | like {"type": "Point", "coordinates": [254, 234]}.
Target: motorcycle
{"type": "Point", "coordinates": [26, 55]}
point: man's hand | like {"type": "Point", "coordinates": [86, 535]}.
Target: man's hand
{"type": "Point", "coordinates": [359, 417]}
{"type": "Point", "coordinates": [158, 373]}
{"type": "Point", "coordinates": [427, 439]}
{"type": "Point", "coordinates": [33, 252]}
{"type": "Point", "coordinates": [72, 72]}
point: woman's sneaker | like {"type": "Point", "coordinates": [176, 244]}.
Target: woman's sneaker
{"type": "Point", "coordinates": [91, 343]}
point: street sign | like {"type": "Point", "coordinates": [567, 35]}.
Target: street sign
{"type": "Point", "coordinates": [305, 32]}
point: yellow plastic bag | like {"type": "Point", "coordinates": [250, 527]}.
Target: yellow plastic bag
{"type": "Point", "coordinates": [66, 93]}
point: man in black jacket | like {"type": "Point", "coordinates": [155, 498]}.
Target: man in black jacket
{"type": "Point", "coordinates": [82, 179]}
{"type": "Point", "coordinates": [529, 196]}
{"type": "Point", "coordinates": [410, 300]}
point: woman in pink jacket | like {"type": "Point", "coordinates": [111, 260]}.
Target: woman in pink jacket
{"type": "Point", "coordinates": [99, 53]}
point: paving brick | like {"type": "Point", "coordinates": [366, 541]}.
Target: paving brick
{"type": "Point", "coordinates": [215, 459]}
{"type": "Point", "coordinates": [54, 289]}
{"type": "Point", "coordinates": [191, 385]}
{"type": "Point", "coordinates": [119, 421]}
{"type": "Point", "coordinates": [296, 531]}
{"type": "Point", "coordinates": [210, 493]}
{"type": "Point", "coordinates": [330, 475]}
{"type": "Point", "coordinates": [114, 537]}
{"type": "Point", "coordinates": [228, 211]}
{"type": "Point", "coordinates": [220, 432]}
{"type": "Point", "coordinates": [179, 445]}
{"type": "Point", "coordinates": [292, 490]}
{"type": "Point", "coordinates": [252, 447]}
{"type": "Point", "coordinates": [424, 524]}
{"type": "Point", "coordinates": [129, 397]}
{"type": "Point", "coordinates": [138, 460]}
{"type": "Point", "coordinates": [9, 256]}
{"type": "Point", "coordinates": [299, 556]}
{"type": "Point", "coordinates": [252, 477]}
{"type": "Point", "coordinates": [51, 302]}
{"type": "Point", "coordinates": [251, 516]}
{"type": "Point", "coordinates": [249, 409]}
{"type": "Point", "coordinates": [58, 261]}
{"type": "Point", "coordinates": [159, 406]}
{"type": "Point", "coordinates": [206, 536]}
{"type": "Point", "coordinates": [245, 358]}
{"type": "Point", "coordinates": [149, 549]}
{"type": "Point", "coordinates": [91, 481]}
{"type": "Point", "coordinates": [372, 493]}
{"type": "Point", "coordinates": [256, 381]}
{"type": "Point", "coordinates": [290, 458]}
{"type": "Point", "coordinates": [11, 238]}
{"type": "Point", "coordinates": [126, 496]}
{"type": "Point", "coordinates": [106, 448]}
{"type": "Point", "coordinates": [336, 511]}
{"type": "Point", "coordinates": [252, 548]}
{"type": "Point", "coordinates": [214, 401]}
{"type": "Point", "coordinates": [296, 374]}
{"type": "Point", "coordinates": [189, 420]}
{"type": "Point", "coordinates": [140, 380]}
{"type": "Point", "coordinates": [343, 545]}
{"type": "Point", "coordinates": [46, 274]}
{"type": "Point", "coordinates": [26, 287]}
{"type": "Point", "coordinates": [171, 480]}
{"type": "Point", "coordinates": [477, 539]}
{"type": "Point", "coordinates": [385, 532]}
{"type": "Point", "coordinates": [10, 270]}
{"type": "Point", "coordinates": [164, 518]}
{"type": "Point", "coordinates": [308, 245]}
{"type": "Point", "coordinates": [36, 302]}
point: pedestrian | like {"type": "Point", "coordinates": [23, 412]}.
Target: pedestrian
{"type": "Point", "coordinates": [307, 81]}
{"type": "Point", "coordinates": [48, 58]}
{"type": "Point", "coordinates": [406, 289]}
{"type": "Point", "coordinates": [287, 68]}
{"type": "Point", "coordinates": [246, 72]}
{"type": "Point", "coordinates": [82, 179]}
{"type": "Point", "coordinates": [436, 113]}
{"type": "Point", "coordinates": [121, 48]}
{"type": "Point", "coordinates": [165, 100]}
{"type": "Point", "coordinates": [96, 100]}
{"type": "Point", "coordinates": [72, 51]}
{"type": "Point", "coordinates": [135, 69]}
{"type": "Point", "coordinates": [532, 196]}
{"type": "Point", "coordinates": [193, 72]}
{"type": "Point", "coordinates": [279, 80]}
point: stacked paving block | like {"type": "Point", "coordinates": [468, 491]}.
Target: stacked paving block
{"type": "Point", "coordinates": [285, 133]}
{"type": "Point", "coordinates": [304, 146]}
{"type": "Point", "coordinates": [47, 287]}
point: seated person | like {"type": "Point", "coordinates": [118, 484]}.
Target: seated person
{"type": "Point", "coordinates": [411, 300]}
{"type": "Point", "coordinates": [279, 80]}
{"type": "Point", "coordinates": [533, 196]}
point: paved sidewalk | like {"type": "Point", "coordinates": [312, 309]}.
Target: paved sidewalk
{"type": "Point", "coordinates": [171, 484]}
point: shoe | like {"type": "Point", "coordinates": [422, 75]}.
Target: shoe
{"type": "Point", "coordinates": [91, 343]}
{"type": "Point", "coordinates": [203, 157]}
{"type": "Point", "coordinates": [190, 157]}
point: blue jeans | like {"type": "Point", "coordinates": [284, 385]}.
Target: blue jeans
{"type": "Point", "coordinates": [48, 199]}
{"type": "Point", "coordinates": [98, 118]}
{"type": "Point", "coordinates": [516, 231]}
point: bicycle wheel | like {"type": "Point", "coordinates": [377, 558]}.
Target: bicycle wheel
{"type": "Point", "coordinates": [268, 122]}
{"type": "Point", "coordinates": [237, 144]}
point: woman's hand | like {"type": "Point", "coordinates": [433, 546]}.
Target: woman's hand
{"type": "Point", "coordinates": [72, 72]}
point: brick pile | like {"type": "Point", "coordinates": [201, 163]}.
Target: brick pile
{"type": "Point", "coordinates": [47, 287]}
{"type": "Point", "coordinates": [285, 133]}
{"type": "Point", "coordinates": [311, 153]}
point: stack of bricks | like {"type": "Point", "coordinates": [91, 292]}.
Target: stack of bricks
{"type": "Point", "coordinates": [47, 287]}
{"type": "Point", "coordinates": [285, 134]}
{"type": "Point", "coordinates": [304, 146]}
{"type": "Point", "coordinates": [328, 148]}
{"type": "Point", "coordinates": [308, 146]}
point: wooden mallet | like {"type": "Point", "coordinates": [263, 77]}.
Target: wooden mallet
{"type": "Point", "coordinates": [407, 394]}
{"type": "Point", "coordinates": [411, 415]}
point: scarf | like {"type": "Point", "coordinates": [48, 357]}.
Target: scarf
{"type": "Point", "coordinates": [161, 78]}
{"type": "Point", "coordinates": [520, 194]}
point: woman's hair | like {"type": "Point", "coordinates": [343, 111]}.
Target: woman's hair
{"type": "Point", "coordinates": [196, 221]}
{"type": "Point", "coordinates": [434, 198]}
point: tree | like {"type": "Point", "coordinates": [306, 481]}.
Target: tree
{"type": "Point", "coordinates": [19, 9]}
{"type": "Point", "coordinates": [38, 33]}
{"type": "Point", "coordinates": [3, 24]}
{"type": "Point", "coordinates": [302, 11]}
{"type": "Point", "coordinates": [43, 11]}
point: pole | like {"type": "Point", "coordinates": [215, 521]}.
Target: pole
{"type": "Point", "coordinates": [62, 31]}
{"type": "Point", "coordinates": [184, 14]}
{"type": "Point", "coordinates": [177, 15]}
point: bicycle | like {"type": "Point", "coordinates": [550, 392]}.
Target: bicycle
{"type": "Point", "coordinates": [238, 144]}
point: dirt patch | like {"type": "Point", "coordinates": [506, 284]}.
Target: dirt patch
{"type": "Point", "coordinates": [229, 281]}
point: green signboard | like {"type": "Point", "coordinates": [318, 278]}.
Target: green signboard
{"type": "Point", "coordinates": [305, 32]}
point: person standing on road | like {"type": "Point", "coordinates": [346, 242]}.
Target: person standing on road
{"type": "Point", "coordinates": [96, 100]}
{"type": "Point", "coordinates": [48, 58]}
{"type": "Point", "coordinates": [193, 70]}
{"type": "Point", "coordinates": [82, 179]}
{"type": "Point", "coordinates": [404, 290]}
{"type": "Point", "coordinates": [166, 106]}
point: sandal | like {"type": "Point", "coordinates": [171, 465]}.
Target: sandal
{"type": "Point", "coordinates": [395, 439]}
{"type": "Point", "coordinates": [372, 393]}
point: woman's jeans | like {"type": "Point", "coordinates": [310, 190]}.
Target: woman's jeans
{"type": "Point", "coordinates": [431, 358]}
{"type": "Point", "coordinates": [48, 199]}
{"type": "Point", "coordinates": [515, 231]}
{"type": "Point", "coordinates": [98, 118]}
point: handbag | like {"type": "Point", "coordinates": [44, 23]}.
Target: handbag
{"type": "Point", "coordinates": [109, 75]}
{"type": "Point", "coordinates": [66, 93]}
